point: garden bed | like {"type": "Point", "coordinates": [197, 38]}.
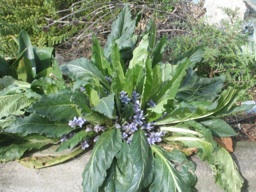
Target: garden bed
{"type": "Point", "coordinates": [97, 105]}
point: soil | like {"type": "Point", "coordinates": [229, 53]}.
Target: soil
{"type": "Point", "coordinates": [245, 126]}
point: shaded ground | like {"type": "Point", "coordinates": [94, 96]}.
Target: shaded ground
{"type": "Point", "coordinates": [245, 126]}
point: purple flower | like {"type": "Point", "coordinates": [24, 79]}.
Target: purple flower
{"type": "Point", "coordinates": [85, 144]}
{"type": "Point", "coordinates": [136, 106]}
{"type": "Point", "coordinates": [80, 121]}
{"type": "Point", "coordinates": [124, 135]}
{"type": "Point", "coordinates": [77, 122]}
{"type": "Point", "coordinates": [133, 127]}
{"type": "Point", "coordinates": [124, 97]}
{"type": "Point", "coordinates": [135, 96]}
{"type": "Point", "coordinates": [155, 137]}
{"type": "Point", "coordinates": [129, 140]}
{"type": "Point", "coordinates": [98, 128]}
{"type": "Point", "coordinates": [129, 127]}
{"type": "Point", "coordinates": [96, 138]}
{"type": "Point", "coordinates": [72, 123]}
{"type": "Point", "coordinates": [148, 126]}
{"type": "Point", "coordinates": [63, 139]}
{"type": "Point", "coordinates": [125, 126]}
{"type": "Point", "coordinates": [117, 125]}
{"type": "Point", "coordinates": [139, 117]}
{"type": "Point", "coordinates": [151, 103]}
{"type": "Point", "coordinates": [89, 128]}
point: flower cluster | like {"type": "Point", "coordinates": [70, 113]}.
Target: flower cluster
{"type": "Point", "coordinates": [138, 120]}
{"type": "Point", "coordinates": [128, 128]}
{"type": "Point", "coordinates": [80, 123]}
{"type": "Point", "coordinates": [124, 97]}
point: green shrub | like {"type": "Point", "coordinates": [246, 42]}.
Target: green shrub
{"type": "Point", "coordinates": [222, 52]}
{"type": "Point", "coordinates": [30, 15]}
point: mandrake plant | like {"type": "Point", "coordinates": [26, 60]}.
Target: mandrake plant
{"type": "Point", "coordinates": [142, 118]}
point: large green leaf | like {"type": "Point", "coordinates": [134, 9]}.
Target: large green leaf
{"type": "Point", "coordinates": [226, 101]}
{"type": "Point", "coordinates": [167, 177]}
{"type": "Point", "coordinates": [25, 44]}
{"type": "Point", "coordinates": [98, 57]}
{"type": "Point", "coordinates": [226, 171]}
{"type": "Point", "coordinates": [6, 122]}
{"type": "Point", "coordinates": [106, 106]}
{"type": "Point", "coordinates": [158, 51]}
{"type": "Point", "coordinates": [117, 64]}
{"type": "Point", "coordinates": [200, 88]}
{"type": "Point", "coordinates": [140, 53]}
{"type": "Point", "coordinates": [134, 79]}
{"type": "Point", "coordinates": [142, 162]}
{"type": "Point", "coordinates": [170, 88]}
{"type": "Point", "coordinates": [205, 148]}
{"type": "Point", "coordinates": [13, 70]}
{"type": "Point", "coordinates": [43, 58]}
{"type": "Point", "coordinates": [6, 81]}
{"type": "Point", "coordinates": [82, 68]}
{"type": "Point", "coordinates": [121, 172]}
{"type": "Point", "coordinates": [46, 85]}
{"type": "Point", "coordinates": [156, 48]}
{"type": "Point", "coordinates": [152, 84]}
{"type": "Point", "coordinates": [42, 161]}
{"type": "Point", "coordinates": [198, 110]}
{"type": "Point", "coordinates": [200, 138]}
{"type": "Point", "coordinates": [60, 106]}
{"type": "Point", "coordinates": [22, 144]}
{"type": "Point", "coordinates": [219, 127]}
{"type": "Point", "coordinates": [172, 77]}
{"type": "Point", "coordinates": [132, 171]}
{"type": "Point", "coordinates": [75, 140]}
{"type": "Point", "coordinates": [106, 148]}
{"type": "Point", "coordinates": [10, 86]}
{"type": "Point", "coordinates": [13, 104]}
{"type": "Point", "coordinates": [94, 97]}
{"type": "Point", "coordinates": [28, 62]}
{"type": "Point", "coordinates": [118, 70]}
{"type": "Point", "coordinates": [25, 71]}
{"type": "Point", "coordinates": [31, 61]}
{"type": "Point", "coordinates": [122, 31]}
{"type": "Point", "coordinates": [148, 84]}
{"type": "Point", "coordinates": [182, 112]}
{"type": "Point", "coordinates": [40, 125]}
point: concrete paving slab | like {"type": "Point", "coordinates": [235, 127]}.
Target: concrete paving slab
{"type": "Point", "coordinates": [67, 177]}
{"type": "Point", "coordinates": [245, 158]}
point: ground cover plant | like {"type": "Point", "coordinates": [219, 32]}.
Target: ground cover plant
{"type": "Point", "coordinates": [225, 51]}
{"type": "Point", "coordinates": [32, 16]}
{"type": "Point", "coordinates": [142, 118]}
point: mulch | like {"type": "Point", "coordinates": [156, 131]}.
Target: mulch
{"type": "Point", "coordinates": [244, 125]}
